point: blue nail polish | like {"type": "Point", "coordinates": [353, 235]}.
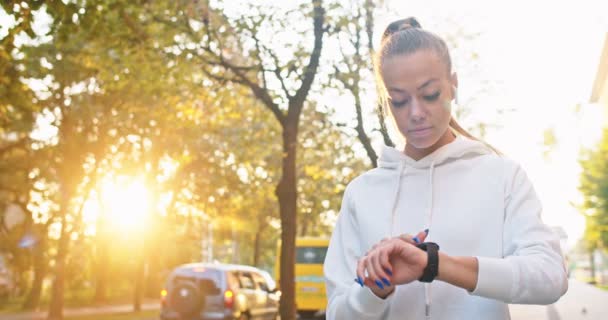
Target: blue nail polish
{"type": "Point", "coordinates": [416, 240]}
{"type": "Point", "coordinates": [386, 282]}
{"type": "Point", "coordinates": [379, 284]}
{"type": "Point", "coordinates": [388, 272]}
{"type": "Point", "coordinates": [426, 231]}
{"type": "Point", "coordinates": [360, 281]}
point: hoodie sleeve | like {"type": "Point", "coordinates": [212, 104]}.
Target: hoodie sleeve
{"type": "Point", "coordinates": [532, 270]}
{"type": "Point", "coordinates": [346, 298]}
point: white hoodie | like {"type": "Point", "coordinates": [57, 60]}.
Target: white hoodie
{"type": "Point", "coordinates": [475, 203]}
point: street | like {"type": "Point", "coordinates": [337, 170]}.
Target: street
{"type": "Point", "coordinates": [582, 301]}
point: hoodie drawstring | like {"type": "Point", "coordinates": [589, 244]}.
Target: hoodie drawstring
{"type": "Point", "coordinates": [401, 171]}
{"type": "Point", "coordinates": [429, 220]}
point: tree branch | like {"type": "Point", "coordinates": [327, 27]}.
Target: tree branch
{"type": "Point", "coordinates": [10, 146]}
{"type": "Point", "coordinates": [313, 64]}
{"type": "Point", "coordinates": [260, 92]}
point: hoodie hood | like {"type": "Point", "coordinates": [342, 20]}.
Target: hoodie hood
{"type": "Point", "coordinates": [461, 147]}
{"type": "Point", "coordinates": [398, 162]}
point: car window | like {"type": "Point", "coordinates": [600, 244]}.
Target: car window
{"type": "Point", "coordinates": [208, 280]}
{"type": "Point", "coordinates": [269, 280]}
{"type": "Point", "coordinates": [233, 280]}
{"type": "Point", "coordinates": [310, 255]}
{"type": "Point", "coordinates": [260, 281]}
{"type": "Point", "coordinates": [246, 280]}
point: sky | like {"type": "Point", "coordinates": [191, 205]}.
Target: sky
{"type": "Point", "coordinates": [538, 60]}
{"type": "Point", "coordinates": [535, 59]}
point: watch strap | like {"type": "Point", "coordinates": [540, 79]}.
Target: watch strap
{"type": "Point", "coordinates": [432, 268]}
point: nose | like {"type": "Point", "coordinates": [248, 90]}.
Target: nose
{"type": "Point", "coordinates": [417, 111]}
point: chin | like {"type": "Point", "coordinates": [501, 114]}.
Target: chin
{"type": "Point", "coordinates": [422, 143]}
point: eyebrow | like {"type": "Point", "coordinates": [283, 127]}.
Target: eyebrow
{"type": "Point", "coordinates": [421, 87]}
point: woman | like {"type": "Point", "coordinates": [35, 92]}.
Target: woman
{"type": "Point", "coordinates": [489, 246]}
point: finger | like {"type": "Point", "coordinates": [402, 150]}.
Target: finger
{"type": "Point", "coordinates": [361, 271]}
{"type": "Point", "coordinates": [372, 277]}
{"type": "Point", "coordinates": [379, 269]}
{"type": "Point", "coordinates": [383, 260]}
{"type": "Point", "coordinates": [421, 236]}
{"type": "Point", "coordinates": [408, 238]}
{"type": "Point", "coordinates": [377, 244]}
{"type": "Point", "coordinates": [415, 240]}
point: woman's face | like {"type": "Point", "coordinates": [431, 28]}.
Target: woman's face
{"type": "Point", "coordinates": [420, 89]}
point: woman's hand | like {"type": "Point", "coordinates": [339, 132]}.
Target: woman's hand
{"type": "Point", "coordinates": [392, 261]}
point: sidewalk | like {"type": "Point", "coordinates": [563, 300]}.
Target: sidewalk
{"type": "Point", "coordinates": [41, 315]}
{"type": "Point", "coordinates": [582, 301]}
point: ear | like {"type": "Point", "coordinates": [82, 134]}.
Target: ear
{"type": "Point", "coordinates": [454, 82]}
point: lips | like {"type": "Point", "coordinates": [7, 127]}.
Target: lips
{"type": "Point", "coordinates": [420, 131]}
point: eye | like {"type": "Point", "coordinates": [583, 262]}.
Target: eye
{"type": "Point", "coordinates": [432, 97]}
{"type": "Point", "coordinates": [399, 104]}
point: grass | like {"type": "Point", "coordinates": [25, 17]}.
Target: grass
{"type": "Point", "coordinates": [143, 315]}
{"type": "Point", "coordinates": [73, 299]}
{"type": "Point", "coordinates": [11, 305]}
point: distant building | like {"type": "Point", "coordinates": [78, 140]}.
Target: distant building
{"type": "Point", "coordinates": [599, 92]}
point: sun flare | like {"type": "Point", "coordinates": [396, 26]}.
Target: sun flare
{"type": "Point", "coordinates": [126, 203]}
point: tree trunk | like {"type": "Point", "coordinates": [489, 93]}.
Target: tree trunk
{"type": "Point", "coordinates": [257, 245]}
{"type": "Point", "coordinates": [56, 304]}
{"type": "Point", "coordinates": [153, 280]}
{"type": "Point", "coordinates": [361, 134]}
{"type": "Point", "coordinates": [140, 269]}
{"type": "Point", "coordinates": [592, 266]}
{"type": "Point", "coordinates": [369, 30]}
{"type": "Point", "coordinates": [287, 194]}
{"type": "Point", "coordinates": [304, 226]}
{"type": "Point", "coordinates": [32, 301]}
{"type": "Point", "coordinates": [102, 266]}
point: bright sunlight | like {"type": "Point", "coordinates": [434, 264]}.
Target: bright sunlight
{"type": "Point", "coordinates": [125, 202]}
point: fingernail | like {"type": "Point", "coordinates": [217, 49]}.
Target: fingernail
{"type": "Point", "coordinates": [426, 231]}
{"type": "Point", "coordinates": [388, 272]}
{"type": "Point", "coordinates": [379, 284]}
{"type": "Point", "coordinates": [360, 281]}
{"type": "Point", "coordinates": [416, 240]}
{"type": "Point", "coordinates": [386, 282]}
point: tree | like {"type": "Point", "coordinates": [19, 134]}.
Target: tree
{"type": "Point", "coordinates": [23, 163]}
{"type": "Point", "coordinates": [234, 52]}
{"type": "Point", "coordinates": [178, 94]}
{"type": "Point", "coordinates": [328, 164]}
{"type": "Point", "coordinates": [353, 72]}
{"type": "Point", "coordinates": [594, 187]}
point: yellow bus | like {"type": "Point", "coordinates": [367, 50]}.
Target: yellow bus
{"type": "Point", "coordinates": [311, 298]}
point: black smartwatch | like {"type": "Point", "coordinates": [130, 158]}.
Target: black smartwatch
{"type": "Point", "coordinates": [432, 267]}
